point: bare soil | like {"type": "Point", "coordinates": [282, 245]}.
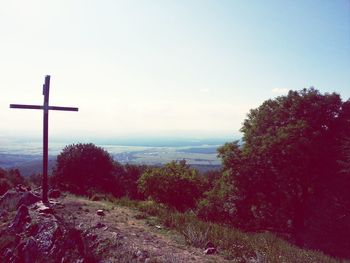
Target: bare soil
{"type": "Point", "coordinates": [119, 236]}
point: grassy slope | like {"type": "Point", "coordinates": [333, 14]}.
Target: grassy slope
{"type": "Point", "coordinates": [232, 244]}
{"type": "Point", "coordinates": [184, 229]}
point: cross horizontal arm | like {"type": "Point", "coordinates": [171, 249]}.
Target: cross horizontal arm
{"type": "Point", "coordinates": [20, 106]}
{"type": "Point", "coordinates": [63, 108]}
{"type": "Point", "coordinates": [38, 107]}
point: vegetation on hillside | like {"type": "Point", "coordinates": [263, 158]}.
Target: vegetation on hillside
{"type": "Point", "coordinates": [290, 176]}
{"type": "Point", "coordinates": [231, 243]}
{"type": "Point", "coordinates": [175, 184]}
{"type": "Point", "coordinates": [9, 178]}
{"type": "Point", "coordinates": [87, 169]}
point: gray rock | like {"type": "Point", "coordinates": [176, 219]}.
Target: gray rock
{"type": "Point", "coordinates": [100, 212]}
{"type": "Point", "coordinates": [28, 198]}
{"type": "Point", "coordinates": [45, 210]}
{"type": "Point", "coordinates": [30, 251]}
{"type": "Point", "coordinates": [8, 254]}
{"type": "Point", "coordinates": [209, 244]}
{"type": "Point", "coordinates": [100, 225]}
{"type": "Point", "coordinates": [9, 200]}
{"type": "Point", "coordinates": [210, 251]}
{"type": "Point", "coordinates": [32, 229]}
{"type": "Point", "coordinates": [47, 233]}
{"type": "Point", "coordinates": [142, 255]}
{"type": "Point", "coordinates": [21, 188]}
{"type": "Point", "coordinates": [21, 218]}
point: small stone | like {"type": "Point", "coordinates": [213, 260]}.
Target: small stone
{"type": "Point", "coordinates": [8, 253]}
{"type": "Point", "coordinates": [91, 236]}
{"type": "Point", "coordinates": [20, 188]}
{"type": "Point", "coordinates": [45, 210]}
{"type": "Point", "coordinates": [210, 251]}
{"type": "Point", "coordinates": [142, 255]}
{"type": "Point", "coordinates": [100, 225]}
{"type": "Point", "coordinates": [100, 212]}
{"type": "Point", "coordinates": [209, 244]}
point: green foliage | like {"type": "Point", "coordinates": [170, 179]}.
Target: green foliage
{"type": "Point", "coordinates": [35, 180]}
{"type": "Point", "coordinates": [4, 185]}
{"type": "Point", "coordinates": [231, 243]}
{"type": "Point", "coordinates": [289, 155]}
{"type": "Point", "coordinates": [174, 184]}
{"type": "Point", "coordinates": [85, 169]}
{"type": "Point", "coordinates": [10, 178]}
{"type": "Point", "coordinates": [293, 160]}
{"type": "Point", "coordinates": [127, 177]}
{"type": "Point", "coordinates": [218, 204]}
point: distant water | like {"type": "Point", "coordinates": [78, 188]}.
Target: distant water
{"type": "Point", "coordinates": [114, 146]}
{"type": "Point", "coordinates": [200, 152]}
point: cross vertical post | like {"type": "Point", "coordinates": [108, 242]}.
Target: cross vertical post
{"type": "Point", "coordinates": [45, 108]}
{"type": "Point", "coordinates": [46, 92]}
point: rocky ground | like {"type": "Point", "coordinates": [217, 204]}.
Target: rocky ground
{"type": "Point", "coordinates": [74, 229]}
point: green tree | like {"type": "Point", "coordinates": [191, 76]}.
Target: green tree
{"type": "Point", "coordinates": [127, 179]}
{"type": "Point", "coordinates": [14, 175]}
{"type": "Point", "coordinates": [174, 184]}
{"type": "Point", "coordinates": [289, 155]}
{"type": "Point", "coordinates": [290, 145]}
{"type": "Point", "coordinates": [5, 183]}
{"type": "Point", "coordinates": [10, 178]}
{"type": "Point", "coordinates": [85, 168]}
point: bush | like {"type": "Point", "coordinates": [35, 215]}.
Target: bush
{"type": "Point", "coordinates": [9, 178]}
{"type": "Point", "coordinates": [291, 173]}
{"type": "Point", "coordinates": [82, 167]}
{"type": "Point", "coordinates": [175, 184]}
{"type": "Point", "coordinates": [218, 205]}
{"type": "Point", "coordinates": [127, 177]}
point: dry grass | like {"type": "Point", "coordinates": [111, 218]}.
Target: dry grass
{"type": "Point", "coordinates": [231, 243]}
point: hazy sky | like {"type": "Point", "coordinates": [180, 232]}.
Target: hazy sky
{"type": "Point", "coordinates": [164, 68]}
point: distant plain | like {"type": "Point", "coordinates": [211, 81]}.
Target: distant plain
{"type": "Point", "coordinates": [26, 155]}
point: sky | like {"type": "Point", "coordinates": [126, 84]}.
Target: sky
{"type": "Point", "coordinates": [163, 68]}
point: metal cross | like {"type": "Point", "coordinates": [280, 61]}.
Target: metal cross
{"type": "Point", "coordinates": [45, 108]}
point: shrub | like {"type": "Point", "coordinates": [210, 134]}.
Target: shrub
{"type": "Point", "coordinates": [175, 184]}
{"type": "Point", "coordinates": [9, 178]}
{"type": "Point", "coordinates": [82, 167]}
{"type": "Point", "coordinates": [127, 177]}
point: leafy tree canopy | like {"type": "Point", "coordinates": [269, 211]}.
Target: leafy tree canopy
{"type": "Point", "coordinates": [174, 184]}
{"type": "Point", "coordinates": [85, 168]}
{"type": "Point", "coordinates": [291, 151]}
{"type": "Point", "coordinates": [10, 178]}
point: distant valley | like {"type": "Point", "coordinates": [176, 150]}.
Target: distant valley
{"type": "Point", "coordinates": [27, 156]}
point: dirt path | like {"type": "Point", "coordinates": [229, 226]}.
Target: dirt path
{"type": "Point", "coordinates": [119, 236]}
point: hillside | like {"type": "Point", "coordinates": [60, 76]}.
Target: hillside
{"type": "Point", "coordinates": [70, 230]}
